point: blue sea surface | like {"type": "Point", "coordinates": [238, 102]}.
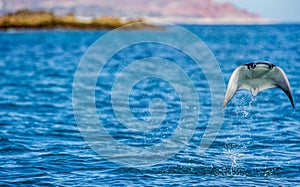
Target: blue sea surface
{"type": "Point", "coordinates": [40, 143]}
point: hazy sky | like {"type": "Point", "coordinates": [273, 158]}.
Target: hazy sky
{"type": "Point", "coordinates": [282, 10]}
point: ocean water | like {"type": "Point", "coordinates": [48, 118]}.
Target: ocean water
{"type": "Point", "coordinates": [41, 143]}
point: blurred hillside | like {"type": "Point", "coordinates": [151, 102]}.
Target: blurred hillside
{"type": "Point", "coordinates": [167, 10]}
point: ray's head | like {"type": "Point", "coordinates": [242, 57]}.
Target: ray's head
{"type": "Point", "coordinates": [260, 65]}
{"type": "Point", "coordinates": [259, 69]}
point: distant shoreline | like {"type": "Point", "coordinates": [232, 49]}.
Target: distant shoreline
{"type": "Point", "coordinates": [44, 20]}
{"type": "Point", "coordinates": [39, 19]}
{"type": "Point", "coordinates": [211, 21]}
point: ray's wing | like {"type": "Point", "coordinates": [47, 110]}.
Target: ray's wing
{"type": "Point", "coordinates": [277, 78]}
{"type": "Point", "coordinates": [234, 83]}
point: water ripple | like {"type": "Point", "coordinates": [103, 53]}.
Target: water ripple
{"type": "Point", "coordinates": [40, 143]}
